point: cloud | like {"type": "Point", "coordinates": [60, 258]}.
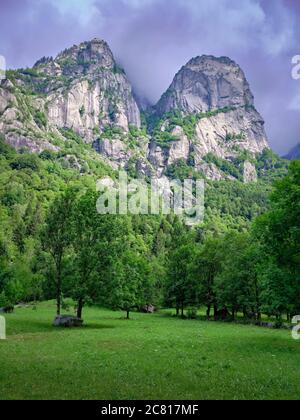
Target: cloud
{"type": "Point", "coordinates": [152, 39]}
{"type": "Point", "coordinates": [294, 105]}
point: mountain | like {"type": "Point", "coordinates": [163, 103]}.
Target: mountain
{"type": "Point", "coordinates": [294, 153]}
{"type": "Point", "coordinates": [82, 89]}
{"type": "Point", "coordinates": [209, 109]}
{"type": "Point", "coordinates": [206, 83]}
{"type": "Point", "coordinates": [205, 121]}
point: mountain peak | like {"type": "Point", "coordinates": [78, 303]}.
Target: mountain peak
{"type": "Point", "coordinates": [85, 91]}
{"type": "Point", "coordinates": [206, 58]}
{"type": "Point", "coordinates": [206, 83]}
{"type": "Point", "coordinates": [84, 58]}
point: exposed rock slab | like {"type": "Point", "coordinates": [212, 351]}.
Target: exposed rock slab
{"type": "Point", "coordinates": [250, 174]}
{"type": "Point", "coordinates": [206, 83]}
{"type": "Point", "coordinates": [67, 321]}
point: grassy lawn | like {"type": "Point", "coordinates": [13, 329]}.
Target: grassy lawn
{"type": "Point", "coordinates": [147, 357]}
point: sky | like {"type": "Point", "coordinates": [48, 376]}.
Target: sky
{"type": "Point", "coordinates": [153, 39]}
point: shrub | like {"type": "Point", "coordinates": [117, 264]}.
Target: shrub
{"type": "Point", "coordinates": [47, 155]}
{"type": "Point", "coordinates": [4, 301]}
{"type": "Point", "coordinates": [192, 313]}
{"type": "Point", "coordinates": [96, 131]}
{"type": "Point", "coordinates": [181, 170]}
{"type": "Point", "coordinates": [234, 136]}
{"type": "Point", "coordinates": [118, 70]}
{"type": "Point", "coordinates": [82, 111]}
{"type": "Point", "coordinates": [5, 149]}
{"type": "Point", "coordinates": [164, 138]}
{"type": "Point", "coordinates": [70, 134]}
{"type": "Point", "coordinates": [226, 166]}
{"type": "Point", "coordinates": [40, 118]}
{"type": "Point", "coordinates": [112, 132]}
{"type": "Point", "coordinates": [26, 162]}
{"type": "Point", "coordinates": [188, 122]}
{"type": "Point", "coordinates": [278, 324]}
{"type": "Point", "coordinates": [30, 72]}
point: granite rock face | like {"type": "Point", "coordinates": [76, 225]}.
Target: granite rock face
{"type": "Point", "coordinates": [206, 83]}
{"type": "Point", "coordinates": [214, 96]}
{"type": "Point", "coordinates": [208, 111]}
{"type": "Point", "coordinates": [98, 92]}
{"type": "Point", "coordinates": [82, 89]}
{"type": "Point", "coordinates": [250, 174]}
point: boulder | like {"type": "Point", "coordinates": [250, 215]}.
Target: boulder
{"type": "Point", "coordinates": [250, 174]}
{"type": "Point", "coordinates": [148, 309]}
{"type": "Point", "coordinates": [67, 321]}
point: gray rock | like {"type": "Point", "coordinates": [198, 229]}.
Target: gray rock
{"type": "Point", "coordinates": [211, 84]}
{"type": "Point", "coordinates": [83, 89]}
{"type": "Point", "coordinates": [211, 171]}
{"type": "Point", "coordinates": [250, 174]}
{"type": "Point", "coordinates": [116, 150]}
{"type": "Point", "coordinates": [99, 92]}
{"type": "Point", "coordinates": [206, 83]}
{"type": "Point", "coordinates": [149, 309]}
{"type": "Point", "coordinates": [67, 321]}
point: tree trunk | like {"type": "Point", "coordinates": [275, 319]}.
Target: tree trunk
{"type": "Point", "coordinates": [58, 290]}
{"type": "Point", "coordinates": [182, 310]}
{"type": "Point", "coordinates": [177, 310]}
{"type": "Point", "coordinates": [127, 314]}
{"type": "Point", "coordinates": [208, 311]}
{"type": "Point", "coordinates": [79, 308]}
{"type": "Point", "coordinates": [216, 313]}
{"type": "Point", "coordinates": [258, 314]}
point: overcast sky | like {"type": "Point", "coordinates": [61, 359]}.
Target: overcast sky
{"type": "Point", "coordinates": [152, 39]}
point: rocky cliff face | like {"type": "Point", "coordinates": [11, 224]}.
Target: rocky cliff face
{"type": "Point", "coordinates": [208, 109]}
{"type": "Point", "coordinates": [82, 89]}
{"type": "Point", "coordinates": [206, 83]}
{"type": "Point", "coordinates": [206, 119]}
{"type": "Point", "coordinates": [98, 93]}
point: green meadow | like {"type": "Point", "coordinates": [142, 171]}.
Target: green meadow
{"type": "Point", "coordinates": [150, 356]}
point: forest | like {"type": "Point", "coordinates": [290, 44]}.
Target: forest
{"type": "Point", "coordinates": [243, 262]}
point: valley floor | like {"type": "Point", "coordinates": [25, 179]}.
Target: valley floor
{"type": "Point", "coordinates": [147, 357]}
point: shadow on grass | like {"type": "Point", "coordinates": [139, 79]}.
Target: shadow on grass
{"type": "Point", "coordinates": [92, 326]}
{"type": "Point", "coordinates": [36, 326]}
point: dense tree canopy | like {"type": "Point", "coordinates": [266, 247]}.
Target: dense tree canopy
{"type": "Point", "coordinates": [243, 260]}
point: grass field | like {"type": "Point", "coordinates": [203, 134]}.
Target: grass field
{"type": "Point", "coordinates": [147, 357]}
